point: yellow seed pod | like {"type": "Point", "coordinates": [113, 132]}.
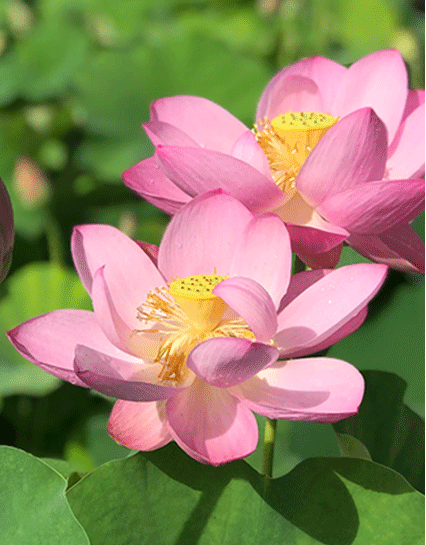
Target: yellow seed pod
{"type": "Point", "coordinates": [194, 295]}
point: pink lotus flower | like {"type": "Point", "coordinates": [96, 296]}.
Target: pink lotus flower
{"type": "Point", "coordinates": [7, 231]}
{"type": "Point", "coordinates": [188, 337]}
{"type": "Point", "coordinates": [337, 153]}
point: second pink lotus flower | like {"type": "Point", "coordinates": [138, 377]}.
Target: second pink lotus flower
{"type": "Point", "coordinates": [193, 336]}
{"type": "Point", "coordinates": [337, 153]}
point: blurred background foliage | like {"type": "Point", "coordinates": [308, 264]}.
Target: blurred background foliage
{"type": "Point", "coordinates": [76, 81]}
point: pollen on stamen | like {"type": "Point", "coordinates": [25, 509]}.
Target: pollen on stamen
{"type": "Point", "coordinates": [184, 321]}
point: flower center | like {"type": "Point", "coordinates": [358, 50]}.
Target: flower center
{"type": "Point", "coordinates": [287, 141]}
{"type": "Point", "coordinates": [187, 313]}
{"type": "Point", "coordinates": [194, 296]}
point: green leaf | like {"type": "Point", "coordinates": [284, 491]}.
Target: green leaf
{"type": "Point", "coordinates": [165, 497]}
{"type": "Point", "coordinates": [114, 91]}
{"type": "Point", "coordinates": [67, 469]}
{"type": "Point", "coordinates": [392, 433]}
{"type": "Point", "coordinates": [349, 257]}
{"type": "Point", "coordinates": [351, 447]}
{"type": "Point", "coordinates": [48, 57]}
{"type": "Point", "coordinates": [63, 467]}
{"type": "Point", "coordinates": [419, 225]}
{"type": "Point", "coordinates": [34, 508]}
{"type": "Point", "coordinates": [33, 290]}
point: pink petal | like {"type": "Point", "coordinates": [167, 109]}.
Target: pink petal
{"type": "Point", "coordinates": [195, 242]}
{"type": "Point", "coordinates": [227, 361]}
{"type": "Point", "coordinates": [306, 240]}
{"type": "Point", "coordinates": [400, 247]}
{"type": "Point", "coordinates": [113, 326]}
{"type": "Point", "coordinates": [160, 132]}
{"type": "Point", "coordinates": [403, 240]}
{"type": "Point", "coordinates": [139, 426]}
{"type": "Point", "coordinates": [325, 73]}
{"type": "Point", "coordinates": [210, 125]}
{"type": "Point", "coordinates": [326, 260]}
{"type": "Point", "coordinates": [151, 250]}
{"type": "Point", "coordinates": [309, 232]}
{"type": "Point", "coordinates": [296, 93]}
{"type": "Point", "coordinates": [211, 425]}
{"type": "Point", "coordinates": [267, 239]}
{"type": "Point", "coordinates": [326, 306]}
{"type": "Point", "coordinates": [300, 282]}
{"type": "Point", "coordinates": [379, 81]}
{"type": "Point", "coordinates": [150, 183]}
{"type": "Point", "coordinates": [248, 150]}
{"type": "Point", "coordinates": [415, 98]}
{"type": "Point", "coordinates": [344, 331]}
{"type": "Point", "coordinates": [138, 341]}
{"type": "Point", "coordinates": [252, 302]}
{"type": "Point", "coordinates": [129, 272]}
{"type": "Point", "coordinates": [353, 151]}
{"type": "Point", "coordinates": [197, 170]}
{"type": "Point", "coordinates": [407, 152]}
{"type": "Point", "coordinates": [374, 207]}
{"type": "Point", "coordinates": [129, 379]}
{"type": "Point", "coordinates": [50, 340]}
{"type": "Point", "coordinates": [310, 389]}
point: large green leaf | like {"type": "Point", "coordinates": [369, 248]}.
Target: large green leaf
{"type": "Point", "coordinates": [165, 497]}
{"type": "Point", "coordinates": [63, 467]}
{"type": "Point", "coordinates": [34, 508]}
{"type": "Point", "coordinates": [393, 434]}
{"type": "Point", "coordinates": [114, 90]}
{"type": "Point", "coordinates": [351, 447]}
{"type": "Point", "coordinates": [35, 289]}
{"type": "Point", "coordinates": [48, 56]}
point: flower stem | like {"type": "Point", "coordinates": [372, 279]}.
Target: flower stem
{"type": "Point", "coordinates": [270, 424]}
{"type": "Point", "coordinates": [268, 447]}
{"type": "Point", "coordinates": [53, 235]}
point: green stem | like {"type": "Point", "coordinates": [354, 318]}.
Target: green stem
{"type": "Point", "coordinates": [53, 234]}
{"type": "Point", "coordinates": [268, 447]}
{"type": "Point", "coordinates": [270, 424]}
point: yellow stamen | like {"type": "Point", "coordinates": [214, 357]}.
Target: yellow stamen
{"type": "Point", "coordinates": [187, 313]}
{"type": "Point", "coordinates": [287, 141]}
